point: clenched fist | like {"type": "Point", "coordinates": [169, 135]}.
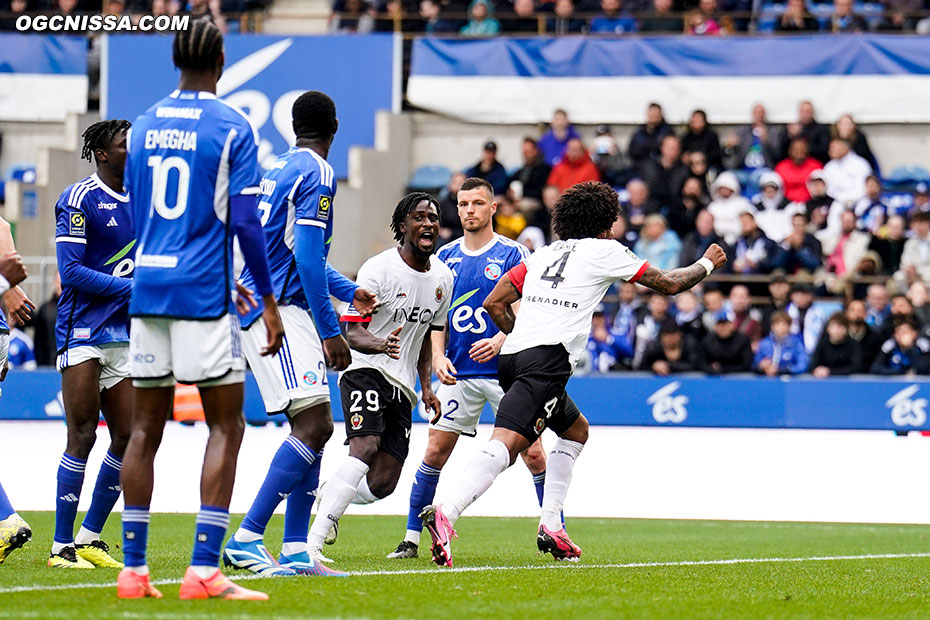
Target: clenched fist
{"type": "Point", "coordinates": [716, 255]}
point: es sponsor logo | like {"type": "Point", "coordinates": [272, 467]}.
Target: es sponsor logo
{"type": "Point", "coordinates": [907, 410]}
{"type": "Point", "coordinates": [668, 406]}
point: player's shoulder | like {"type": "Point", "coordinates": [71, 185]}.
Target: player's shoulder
{"type": "Point", "coordinates": [442, 271]}
{"type": "Point", "coordinates": [380, 262]}
{"type": "Point", "coordinates": [453, 248]}
{"type": "Point", "coordinates": [507, 246]}
{"type": "Point", "coordinates": [313, 166]}
{"type": "Point", "coordinates": [72, 197]}
{"type": "Point", "coordinates": [238, 119]}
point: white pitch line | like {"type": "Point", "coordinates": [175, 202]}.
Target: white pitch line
{"type": "Point", "coordinates": [481, 569]}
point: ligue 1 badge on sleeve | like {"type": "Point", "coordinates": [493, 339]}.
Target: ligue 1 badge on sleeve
{"type": "Point", "coordinates": [356, 421]}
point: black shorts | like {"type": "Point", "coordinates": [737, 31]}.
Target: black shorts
{"type": "Point", "coordinates": [371, 405]}
{"type": "Point", "coordinates": [534, 382]}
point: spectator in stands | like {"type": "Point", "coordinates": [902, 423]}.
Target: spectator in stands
{"type": "Point", "coordinates": [46, 349]}
{"type": "Point", "coordinates": [432, 21]}
{"type": "Point", "coordinates": [796, 19]}
{"type": "Point", "coordinates": [696, 163]}
{"type": "Point", "coordinates": [613, 19]}
{"type": "Point", "coordinates": [823, 211]}
{"type": "Point", "coordinates": [621, 232]}
{"type": "Point", "coordinates": [846, 129]}
{"type": "Point", "coordinates": [638, 205]}
{"type": "Point", "coordinates": [550, 196]}
{"type": "Point", "coordinates": [649, 320]}
{"type": "Point", "coordinates": [657, 244]}
{"type": "Point", "coordinates": [450, 226]}
{"type": "Point", "coordinates": [534, 173]}
{"type": "Point", "coordinates": [845, 173]}
{"type": "Point", "coordinates": [781, 352]}
{"type": "Point", "coordinates": [772, 213]}
{"type": "Point", "coordinates": [921, 199]}
{"type": "Point", "coordinates": [753, 146]}
{"type": "Point", "coordinates": [352, 16]}
{"type": "Point", "coordinates": [817, 136]}
{"type": "Point", "coordinates": [727, 205]}
{"type": "Point", "coordinates": [903, 354]}
{"type": "Point", "coordinates": [871, 210]}
{"type": "Point", "coordinates": [553, 142]}
{"type": "Point", "coordinates": [889, 244]}
{"type": "Point", "coordinates": [605, 347]}
{"type": "Point", "coordinates": [877, 307]}
{"type": "Point", "coordinates": [807, 320]}
{"type": "Point", "coordinates": [915, 261]}
{"type": "Point", "coordinates": [609, 159]}
{"type": "Point", "coordinates": [796, 168]}
{"type": "Point", "coordinates": [900, 307]}
{"type": "Point", "coordinates": [843, 18]}
{"type": "Point", "coordinates": [662, 19]}
{"type": "Point", "coordinates": [565, 20]}
{"type": "Point", "coordinates": [836, 354]}
{"type": "Point", "coordinates": [481, 21]}
{"type": "Point", "coordinates": [844, 250]}
{"type": "Point", "coordinates": [210, 10]}
{"type": "Point", "coordinates": [692, 201]}
{"type": "Point", "coordinates": [689, 315]}
{"type": "Point", "coordinates": [780, 295]}
{"type": "Point", "coordinates": [673, 352]}
{"type": "Point", "coordinates": [919, 294]}
{"type": "Point", "coordinates": [489, 169]}
{"type": "Point", "coordinates": [713, 302]}
{"type": "Point", "coordinates": [701, 138]}
{"type": "Point", "coordinates": [523, 19]}
{"type": "Point", "coordinates": [801, 251]}
{"type": "Point", "coordinates": [666, 175]}
{"type": "Point", "coordinates": [575, 167]}
{"type": "Point", "coordinates": [697, 22]}
{"type": "Point", "coordinates": [509, 221]}
{"type": "Point", "coordinates": [746, 319]}
{"type": "Point", "coordinates": [697, 241]}
{"type": "Point", "coordinates": [625, 316]}
{"type": "Point", "coordinates": [753, 251]}
{"type": "Point", "coordinates": [725, 349]}
{"type": "Point", "coordinates": [869, 340]}
{"type": "Point", "coordinates": [646, 140]}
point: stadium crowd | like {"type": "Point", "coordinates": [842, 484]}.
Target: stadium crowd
{"type": "Point", "coordinates": [825, 274]}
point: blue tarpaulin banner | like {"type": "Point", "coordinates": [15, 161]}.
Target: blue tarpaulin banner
{"type": "Point", "coordinates": [263, 76]}
{"type": "Point", "coordinates": [42, 78]}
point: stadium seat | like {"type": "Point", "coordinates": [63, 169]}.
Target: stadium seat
{"type": "Point", "coordinates": [24, 173]}
{"type": "Point", "coordinates": [429, 178]}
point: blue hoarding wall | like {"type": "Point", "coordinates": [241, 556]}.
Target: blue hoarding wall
{"type": "Point", "coordinates": [636, 400]}
{"type": "Point", "coordinates": [263, 77]}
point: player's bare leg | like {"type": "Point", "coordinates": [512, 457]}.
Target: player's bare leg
{"type": "Point", "coordinates": [551, 536]}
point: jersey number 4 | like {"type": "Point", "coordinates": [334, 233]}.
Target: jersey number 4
{"type": "Point", "coordinates": [553, 272]}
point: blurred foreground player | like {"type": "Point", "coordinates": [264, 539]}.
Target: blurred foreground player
{"type": "Point", "coordinates": [297, 216]}
{"type": "Point", "coordinates": [193, 177]}
{"type": "Point", "coordinates": [14, 532]}
{"type": "Point", "coordinates": [559, 287]}
{"type": "Point", "coordinates": [94, 237]}
{"type": "Point", "coordinates": [392, 348]}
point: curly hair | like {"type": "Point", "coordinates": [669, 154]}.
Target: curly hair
{"type": "Point", "coordinates": [99, 135]}
{"type": "Point", "coordinates": [404, 206]}
{"type": "Point", "coordinates": [585, 210]}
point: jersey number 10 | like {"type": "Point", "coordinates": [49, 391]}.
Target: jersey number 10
{"type": "Point", "coordinates": [161, 172]}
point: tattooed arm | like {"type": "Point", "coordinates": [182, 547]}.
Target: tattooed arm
{"type": "Point", "coordinates": [678, 280]}
{"type": "Point", "coordinates": [499, 304]}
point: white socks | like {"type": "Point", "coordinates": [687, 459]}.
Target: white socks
{"type": "Point", "coordinates": [204, 572]}
{"type": "Point", "coordinates": [363, 494]}
{"type": "Point", "coordinates": [245, 536]}
{"type": "Point", "coordinates": [558, 477]}
{"type": "Point", "coordinates": [85, 536]}
{"type": "Point", "coordinates": [291, 549]}
{"type": "Point", "coordinates": [412, 536]}
{"type": "Point", "coordinates": [484, 467]}
{"type": "Point", "coordinates": [340, 489]}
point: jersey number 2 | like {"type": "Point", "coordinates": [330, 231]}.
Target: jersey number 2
{"type": "Point", "coordinates": [557, 267]}
{"type": "Point", "coordinates": [161, 170]}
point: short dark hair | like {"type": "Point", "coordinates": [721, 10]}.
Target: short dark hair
{"type": "Point", "coordinates": [403, 208]}
{"type": "Point", "coordinates": [653, 104]}
{"type": "Point", "coordinates": [898, 321]}
{"type": "Point", "coordinates": [921, 216]}
{"type": "Point", "coordinates": [314, 113]}
{"type": "Point", "coordinates": [475, 183]}
{"type": "Point", "coordinates": [99, 135]}
{"type": "Point", "coordinates": [198, 47]}
{"type": "Point", "coordinates": [839, 318]}
{"type": "Point", "coordinates": [669, 327]}
{"type": "Point", "coordinates": [531, 140]}
{"type": "Point", "coordinates": [585, 210]}
{"type": "Point", "coordinates": [780, 315]}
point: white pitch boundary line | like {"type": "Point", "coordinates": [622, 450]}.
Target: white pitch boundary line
{"type": "Point", "coordinates": [481, 569]}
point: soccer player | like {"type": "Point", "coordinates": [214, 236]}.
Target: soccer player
{"type": "Point", "coordinates": [14, 531]}
{"type": "Point", "coordinates": [297, 215]}
{"type": "Point", "coordinates": [392, 347]}
{"type": "Point", "coordinates": [193, 176]}
{"type": "Point", "coordinates": [94, 236]}
{"type": "Point", "coordinates": [468, 376]}
{"type": "Point", "coordinates": [561, 284]}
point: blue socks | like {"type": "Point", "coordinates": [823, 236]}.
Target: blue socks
{"type": "Point", "coordinates": [135, 534]}
{"type": "Point", "coordinates": [421, 495]}
{"type": "Point", "coordinates": [288, 469]}
{"type": "Point", "coordinates": [106, 492]}
{"type": "Point", "coordinates": [539, 481]}
{"type": "Point", "coordinates": [6, 509]}
{"type": "Point", "coordinates": [211, 531]}
{"type": "Point", "coordinates": [299, 504]}
{"type": "Point", "coordinates": [70, 480]}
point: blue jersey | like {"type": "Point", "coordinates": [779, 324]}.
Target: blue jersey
{"type": "Point", "coordinates": [298, 189]}
{"type": "Point", "coordinates": [187, 156]}
{"type": "Point", "coordinates": [94, 236]}
{"type": "Point", "coordinates": [476, 274]}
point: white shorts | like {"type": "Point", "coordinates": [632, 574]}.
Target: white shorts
{"type": "Point", "coordinates": [113, 358]}
{"type": "Point", "coordinates": [463, 403]}
{"type": "Point", "coordinates": [165, 351]}
{"type": "Point", "coordinates": [295, 377]}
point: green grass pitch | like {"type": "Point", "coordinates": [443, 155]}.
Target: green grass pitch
{"type": "Point", "coordinates": [630, 569]}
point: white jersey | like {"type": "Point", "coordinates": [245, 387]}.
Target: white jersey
{"type": "Point", "coordinates": [416, 300]}
{"type": "Point", "coordinates": [562, 285]}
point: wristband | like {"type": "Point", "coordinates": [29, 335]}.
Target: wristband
{"type": "Point", "coordinates": [706, 264]}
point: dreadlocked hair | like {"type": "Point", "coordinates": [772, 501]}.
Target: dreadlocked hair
{"type": "Point", "coordinates": [585, 210]}
{"type": "Point", "coordinates": [407, 204]}
{"type": "Point", "coordinates": [99, 135]}
{"type": "Point", "coordinates": [198, 47]}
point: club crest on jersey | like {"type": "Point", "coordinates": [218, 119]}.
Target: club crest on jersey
{"type": "Point", "coordinates": [540, 425]}
{"type": "Point", "coordinates": [310, 377]}
{"type": "Point", "coordinates": [356, 421]}
{"type": "Point", "coordinates": [492, 271]}
{"type": "Point", "coordinates": [76, 224]}
{"type": "Point", "coordinates": [439, 293]}
{"type": "Point", "coordinates": [323, 209]}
